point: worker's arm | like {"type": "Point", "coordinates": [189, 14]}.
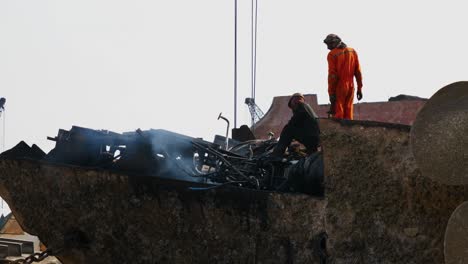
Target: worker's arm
{"type": "Point", "coordinates": [332, 75]}
{"type": "Point", "coordinates": [358, 74]}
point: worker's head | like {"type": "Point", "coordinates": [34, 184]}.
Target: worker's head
{"type": "Point", "coordinates": [295, 99]}
{"type": "Point", "coordinates": [332, 41]}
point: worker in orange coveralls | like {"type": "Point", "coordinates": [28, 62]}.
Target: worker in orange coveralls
{"type": "Point", "coordinates": [343, 66]}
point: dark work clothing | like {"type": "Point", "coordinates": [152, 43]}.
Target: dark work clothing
{"type": "Point", "coordinates": [303, 127]}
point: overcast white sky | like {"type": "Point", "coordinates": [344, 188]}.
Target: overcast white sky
{"type": "Point", "coordinates": [122, 65]}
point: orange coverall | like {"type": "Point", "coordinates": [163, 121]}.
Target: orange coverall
{"type": "Point", "coordinates": [343, 65]}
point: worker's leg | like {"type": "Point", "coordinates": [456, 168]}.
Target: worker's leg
{"type": "Point", "coordinates": [310, 141]}
{"type": "Point", "coordinates": [339, 111]}
{"type": "Point", "coordinates": [340, 103]}
{"type": "Point", "coordinates": [285, 139]}
{"type": "Point", "coordinates": [348, 104]}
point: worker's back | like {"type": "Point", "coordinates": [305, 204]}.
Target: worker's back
{"type": "Point", "coordinates": [344, 63]}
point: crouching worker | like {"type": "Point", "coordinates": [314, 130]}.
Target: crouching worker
{"type": "Point", "coordinates": [305, 176]}
{"type": "Point", "coordinates": [303, 127]}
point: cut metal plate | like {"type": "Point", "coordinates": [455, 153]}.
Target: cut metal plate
{"type": "Point", "coordinates": [456, 236]}
{"type": "Point", "coordinates": [439, 135]}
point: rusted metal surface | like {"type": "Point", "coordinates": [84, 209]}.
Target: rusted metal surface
{"type": "Point", "coordinates": [439, 135]}
{"type": "Point", "coordinates": [378, 208]}
{"type": "Point", "coordinates": [395, 112]}
{"type": "Point", "coordinates": [145, 219]}
{"type": "Point", "coordinates": [456, 236]}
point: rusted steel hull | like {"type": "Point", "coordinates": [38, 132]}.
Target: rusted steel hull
{"type": "Point", "coordinates": [124, 219]}
{"type": "Point", "coordinates": [377, 208]}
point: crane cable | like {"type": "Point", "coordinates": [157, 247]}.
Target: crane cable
{"type": "Point", "coordinates": [235, 63]}
{"type": "Point", "coordinates": [254, 27]}
{"type": "Point", "coordinates": [3, 136]}
{"type": "Point", "coordinates": [3, 147]}
{"type": "Point", "coordinates": [253, 56]}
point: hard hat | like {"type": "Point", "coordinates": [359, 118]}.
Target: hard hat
{"type": "Point", "coordinates": [295, 95]}
{"type": "Point", "coordinates": [332, 38]}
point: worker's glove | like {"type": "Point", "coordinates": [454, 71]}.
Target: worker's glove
{"type": "Point", "coordinates": [359, 95]}
{"type": "Point", "coordinates": [332, 99]}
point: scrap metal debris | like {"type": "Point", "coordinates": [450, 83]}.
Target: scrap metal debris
{"type": "Point", "coordinates": [166, 154]}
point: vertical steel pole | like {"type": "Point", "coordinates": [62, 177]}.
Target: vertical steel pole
{"type": "Point", "coordinates": [235, 63]}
